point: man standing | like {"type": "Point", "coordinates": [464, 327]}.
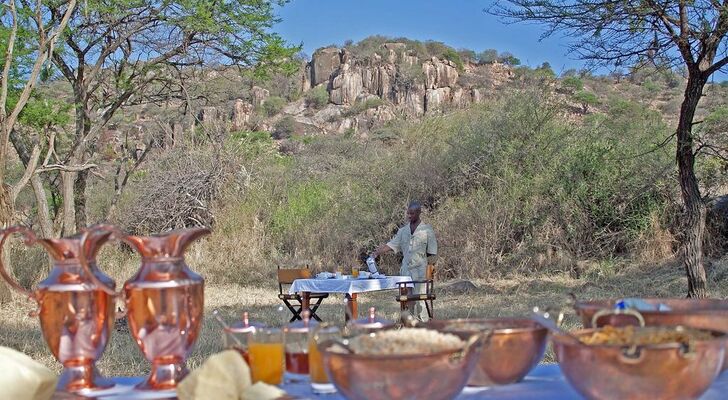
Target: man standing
{"type": "Point", "coordinates": [417, 243]}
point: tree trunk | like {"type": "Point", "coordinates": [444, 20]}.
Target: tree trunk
{"type": "Point", "coordinates": [69, 215]}
{"type": "Point", "coordinates": [41, 201]}
{"type": "Point", "coordinates": [691, 246]}
{"type": "Point", "coordinates": [6, 218]}
{"type": "Point", "coordinates": [79, 193]}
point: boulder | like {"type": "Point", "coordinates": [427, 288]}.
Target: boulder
{"type": "Point", "coordinates": [460, 98]}
{"type": "Point", "coordinates": [259, 95]}
{"type": "Point", "coordinates": [379, 116]}
{"type": "Point", "coordinates": [439, 73]}
{"type": "Point", "coordinates": [323, 63]}
{"type": "Point", "coordinates": [435, 99]}
{"type": "Point", "coordinates": [241, 114]}
{"type": "Point", "coordinates": [346, 86]}
{"type": "Point", "coordinates": [329, 113]}
{"type": "Point", "coordinates": [306, 78]}
{"type": "Point", "coordinates": [209, 115]}
{"type": "Point", "coordinates": [476, 95]}
{"type": "Point", "coordinates": [410, 100]}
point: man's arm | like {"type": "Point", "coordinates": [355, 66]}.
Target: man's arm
{"type": "Point", "coordinates": [383, 249]}
{"type": "Point", "coordinates": [431, 247]}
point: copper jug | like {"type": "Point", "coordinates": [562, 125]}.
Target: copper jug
{"type": "Point", "coordinates": [76, 313]}
{"type": "Point", "coordinates": [165, 303]}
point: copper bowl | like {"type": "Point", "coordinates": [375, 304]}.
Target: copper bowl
{"type": "Point", "coordinates": [433, 376]}
{"type": "Point", "coordinates": [663, 371]}
{"type": "Point", "coordinates": [512, 348]}
{"type": "Point", "coordinates": [697, 313]}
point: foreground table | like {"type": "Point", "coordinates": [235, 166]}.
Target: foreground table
{"type": "Point", "coordinates": [349, 287]}
{"type": "Point", "coordinates": [545, 382]}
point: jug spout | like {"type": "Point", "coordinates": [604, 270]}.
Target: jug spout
{"type": "Point", "coordinates": [85, 244]}
{"type": "Point", "coordinates": [169, 245]}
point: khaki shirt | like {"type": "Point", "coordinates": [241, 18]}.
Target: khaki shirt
{"type": "Point", "coordinates": [414, 247]}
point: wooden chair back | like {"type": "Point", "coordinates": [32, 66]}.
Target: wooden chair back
{"type": "Point", "coordinates": [430, 273]}
{"type": "Point", "coordinates": [286, 276]}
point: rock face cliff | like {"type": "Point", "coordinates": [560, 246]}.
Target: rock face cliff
{"type": "Point", "coordinates": [366, 91]}
{"type": "Point", "coordinates": [409, 85]}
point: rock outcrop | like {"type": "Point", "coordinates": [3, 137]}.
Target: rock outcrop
{"type": "Point", "coordinates": [258, 96]}
{"type": "Point", "coordinates": [413, 87]}
{"type": "Point", "coordinates": [240, 117]}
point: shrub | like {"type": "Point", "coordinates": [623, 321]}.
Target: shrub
{"type": "Point", "coordinates": [273, 105]}
{"type": "Point", "coordinates": [317, 97]}
{"type": "Point", "coordinates": [362, 106]}
{"type": "Point", "coordinates": [586, 99]}
{"type": "Point", "coordinates": [574, 83]}
{"type": "Point", "coordinates": [488, 56]}
{"type": "Point", "coordinates": [284, 128]}
{"type": "Point", "coordinates": [452, 55]}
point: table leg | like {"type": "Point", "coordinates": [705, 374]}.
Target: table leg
{"type": "Point", "coordinates": [352, 308]}
{"type": "Point", "coordinates": [305, 302]}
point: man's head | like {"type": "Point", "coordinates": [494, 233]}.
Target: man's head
{"type": "Point", "coordinates": [413, 212]}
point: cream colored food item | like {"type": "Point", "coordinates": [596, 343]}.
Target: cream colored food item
{"type": "Point", "coordinates": [23, 378]}
{"type": "Point", "coordinates": [262, 391]}
{"type": "Point", "coordinates": [405, 341]}
{"type": "Point", "coordinates": [223, 376]}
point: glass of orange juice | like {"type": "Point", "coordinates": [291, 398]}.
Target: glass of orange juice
{"type": "Point", "coordinates": [319, 380]}
{"type": "Point", "coordinates": [266, 353]}
{"type": "Point", "coordinates": [355, 272]}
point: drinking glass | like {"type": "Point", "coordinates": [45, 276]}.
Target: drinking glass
{"type": "Point", "coordinates": [319, 380]}
{"type": "Point", "coordinates": [355, 272]}
{"type": "Point", "coordinates": [266, 352]}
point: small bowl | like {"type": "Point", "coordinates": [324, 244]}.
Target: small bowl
{"type": "Point", "coordinates": [513, 346]}
{"type": "Point", "coordinates": [660, 371]}
{"type": "Point", "coordinates": [434, 376]}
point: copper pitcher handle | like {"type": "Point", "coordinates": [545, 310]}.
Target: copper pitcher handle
{"type": "Point", "coordinates": [83, 257]}
{"type": "Point", "coordinates": [29, 240]}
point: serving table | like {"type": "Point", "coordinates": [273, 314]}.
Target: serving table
{"type": "Point", "coordinates": [348, 286]}
{"type": "Point", "coordinates": [545, 382]}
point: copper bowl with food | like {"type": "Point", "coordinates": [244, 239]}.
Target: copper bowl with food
{"type": "Point", "coordinates": [513, 346]}
{"type": "Point", "coordinates": [408, 363]}
{"type": "Point", "coordinates": [697, 313]}
{"type": "Point", "coordinates": [635, 363]}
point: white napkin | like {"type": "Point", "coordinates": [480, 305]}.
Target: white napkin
{"type": "Point", "coordinates": [23, 378]}
{"type": "Point", "coordinates": [325, 275]}
{"type": "Point", "coordinates": [378, 275]}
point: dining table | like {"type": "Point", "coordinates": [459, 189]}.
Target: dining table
{"type": "Point", "coordinates": [545, 382]}
{"type": "Point", "coordinates": [347, 285]}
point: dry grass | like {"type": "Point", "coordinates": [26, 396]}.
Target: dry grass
{"type": "Point", "coordinates": [510, 295]}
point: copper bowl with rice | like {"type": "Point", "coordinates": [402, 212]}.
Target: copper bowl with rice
{"type": "Point", "coordinates": [707, 314]}
{"type": "Point", "coordinates": [408, 363]}
{"type": "Point", "coordinates": [512, 347]}
{"type": "Point", "coordinates": [640, 363]}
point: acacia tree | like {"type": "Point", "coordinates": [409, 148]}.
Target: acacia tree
{"type": "Point", "coordinates": [119, 53]}
{"type": "Point", "coordinates": [689, 34]}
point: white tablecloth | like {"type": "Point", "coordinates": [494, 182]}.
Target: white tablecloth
{"type": "Point", "coordinates": [545, 382]}
{"type": "Point", "coordinates": [347, 286]}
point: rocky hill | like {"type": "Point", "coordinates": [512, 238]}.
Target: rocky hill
{"type": "Point", "coordinates": [362, 93]}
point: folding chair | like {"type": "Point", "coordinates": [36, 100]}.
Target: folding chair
{"type": "Point", "coordinates": [286, 277]}
{"type": "Point", "coordinates": [407, 299]}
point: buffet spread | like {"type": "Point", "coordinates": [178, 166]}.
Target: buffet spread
{"type": "Point", "coordinates": [627, 349]}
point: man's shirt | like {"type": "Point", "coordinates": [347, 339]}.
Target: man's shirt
{"type": "Point", "coordinates": [414, 246]}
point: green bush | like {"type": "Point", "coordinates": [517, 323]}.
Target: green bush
{"type": "Point", "coordinates": [273, 105]}
{"type": "Point", "coordinates": [586, 99]}
{"type": "Point", "coordinates": [452, 55]}
{"type": "Point", "coordinates": [362, 106]}
{"type": "Point", "coordinates": [284, 128]}
{"type": "Point", "coordinates": [573, 83]}
{"type": "Point", "coordinates": [317, 97]}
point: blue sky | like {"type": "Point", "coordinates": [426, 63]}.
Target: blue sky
{"type": "Point", "coordinates": [458, 23]}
